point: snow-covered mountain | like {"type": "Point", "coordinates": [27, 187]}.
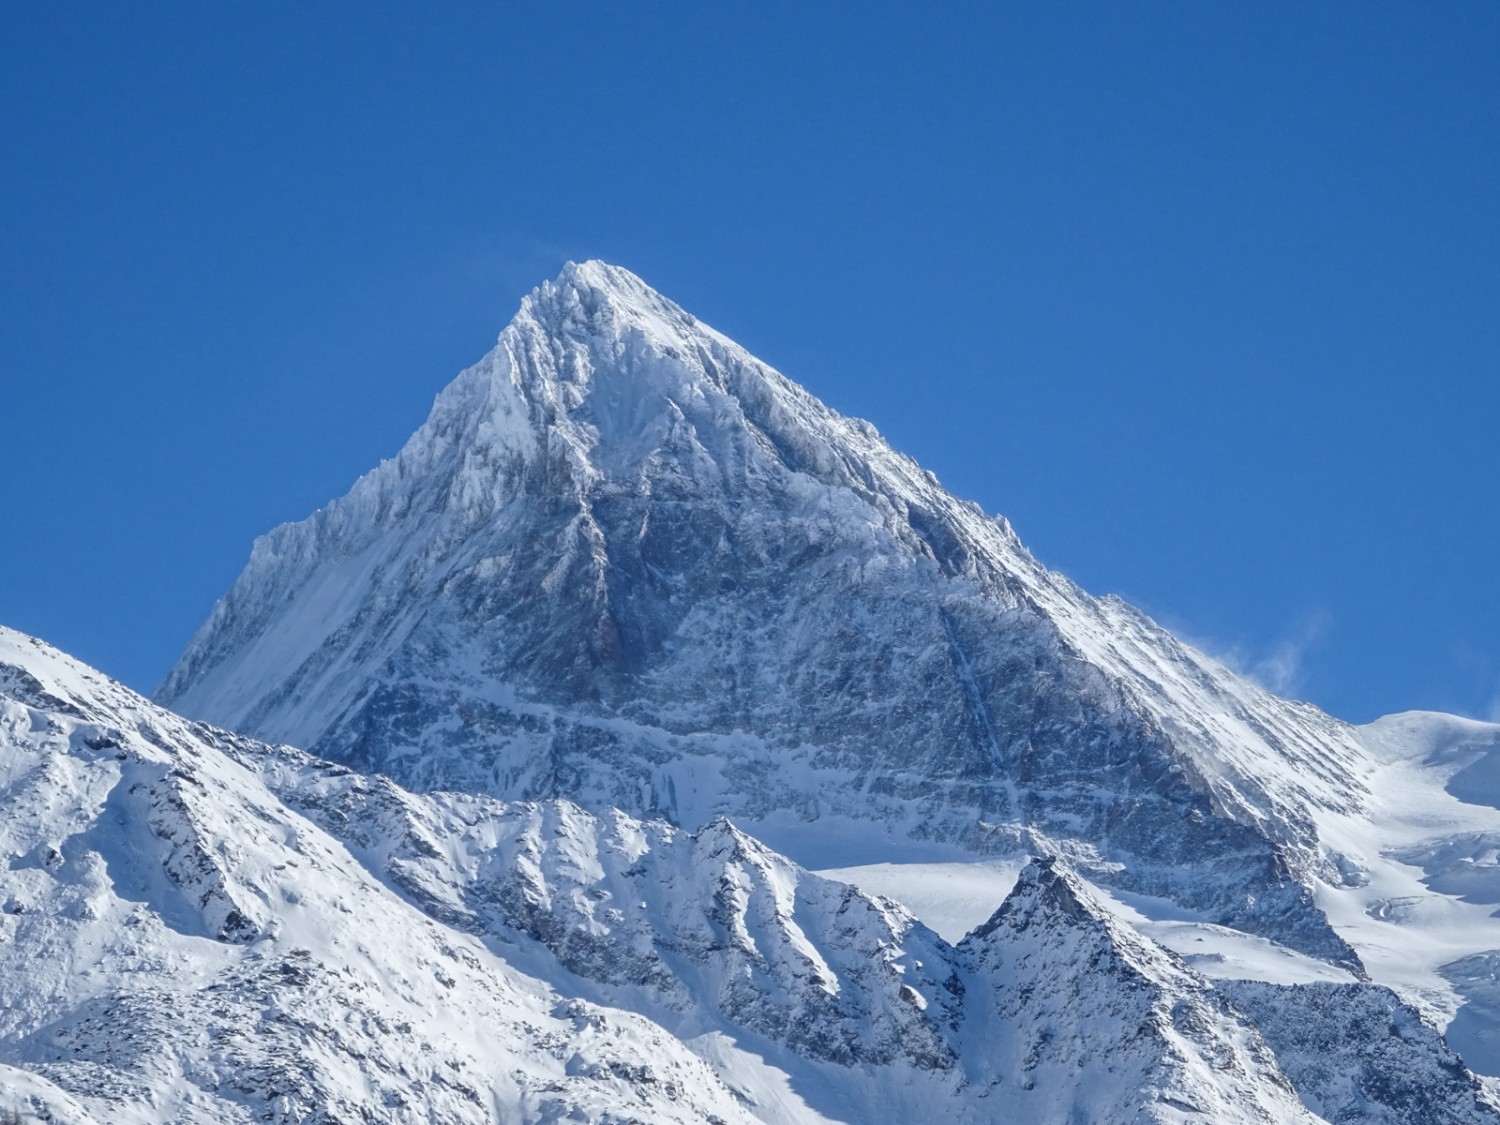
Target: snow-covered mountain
{"type": "Point", "coordinates": [630, 616]}
{"type": "Point", "coordinates": [198, 927]}
{"type": "Point", "coordinates": [626, 563]}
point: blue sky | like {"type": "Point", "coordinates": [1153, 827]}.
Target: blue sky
{"type": "Point", "coordinates": [1205, 297]}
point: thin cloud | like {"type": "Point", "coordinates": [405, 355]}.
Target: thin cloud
{"type": "Point", "coordinates": [1283, 667]}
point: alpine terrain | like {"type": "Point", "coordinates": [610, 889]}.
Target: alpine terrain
{"type": "Point", "coordinates": [647, 742]}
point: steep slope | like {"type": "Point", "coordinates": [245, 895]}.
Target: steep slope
{"type": "Point", "coordinates": [1356, 1053]}
{"type": "Point", "coordinates": [1421, 913]}
{"type": "Point", "coordinates": [625, 562]}
{"type": "Point", "coordinates": [872, 1016]}
{"type": "Point", "coordinates": [709, 919]}
{"type": "Point", "coordinates": [177, 945]}
{"type": "Point", "coordinates": [1106, 1009]}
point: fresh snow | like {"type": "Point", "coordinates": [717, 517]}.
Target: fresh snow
{"type": "Point", "coordinates": [178, 945]}
{"type": "Point", "coordinates": [952, 897]}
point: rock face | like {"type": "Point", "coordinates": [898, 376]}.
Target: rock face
{"type": "Point", "coordinates": [1356, 1053]}
{"type": "Point", "coordinates": [668, 921]}
{"type": "Point", "coordinates": [628, 601]}
{"type": "Point", "coordinates": [625, 563]}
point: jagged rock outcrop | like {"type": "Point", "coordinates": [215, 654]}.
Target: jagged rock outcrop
{"type": "Point", "coordinates": [668, 920]}
{"type": "Point", "coordinates": [1358, 1054]}
{"type": "Point", "coordinates": [1107, 1011]}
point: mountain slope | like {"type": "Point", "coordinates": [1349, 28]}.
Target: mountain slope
{"type": "Point", "coordinates": [177, 945]}
{"type": "Point", "coordinates": [1356, 1053]}
{"type": "Point", "coordinates": [626, 563]}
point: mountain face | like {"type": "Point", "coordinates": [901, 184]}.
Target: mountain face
{"type": "Point", "coordinates": [1356, 1053]}
{"type": "Point", "coordinates": [198, 927]}
{"type": "Point", "coordinates": [630, 615]}
{"type": "Point", "coordinates": [626, 563]}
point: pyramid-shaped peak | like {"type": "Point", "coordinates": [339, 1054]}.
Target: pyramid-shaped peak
{"type": "Point", "coordinates": [1054, 916]}
{"type": "Point", "coordinates": [1051, 897]}
{"type": "Point", "coordinates": [596, 299]}
{"type": "Point", "coordinates": [595, 273]}
{"type": "Point", "coordinates": [601, 281]}
{"type": "Point", "coordinates": [626, 562]}
{"type": "Point", "coordinates": [1047, 887]}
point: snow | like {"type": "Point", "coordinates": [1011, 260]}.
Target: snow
{"type": "Point", "coordinates": [180, 945]}
{"type": "Point", "coordinates": [952, 898]}
{"type": "Point", "coordinates": [1427, 885]}
{"type": "Point", "coordinates": [158, 862]}
{"type": "Point", "coordinates": [630, 612]}
{"type": "Point", "coordinates": [1422, 918]}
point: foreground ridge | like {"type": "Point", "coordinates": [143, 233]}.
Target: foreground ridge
{"type": "Point", "coordinates": [180, 946]}
{"type": "Point", "coordinates": [244, 932]}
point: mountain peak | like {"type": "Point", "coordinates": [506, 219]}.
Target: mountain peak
{"type": "Point", "coordinates": [1049, 893]}
{"type": "Point", "coordinates": [594, 299]}
{"type": "Point", "coordinates": [595, 283]}
{"type": "Point", "coordinates": [595, 275]}
{"type": "Point", "coordinates": [626, 562]}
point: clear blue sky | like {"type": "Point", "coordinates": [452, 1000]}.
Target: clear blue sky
{"type": "Point", "coordinates": [1204, 296]}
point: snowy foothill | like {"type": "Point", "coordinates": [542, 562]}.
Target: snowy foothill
{"type": "Point", "coordinates": [178, 945]}
{"type": "Point", "coordinates": [203, 908]}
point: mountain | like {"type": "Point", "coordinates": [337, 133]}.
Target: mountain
{"type": "Point", "coordinates": [202, 928]}
{"type": "Point", "coordinates": [625, 570]}
{"type": "Point", "coordinates": [1088, 1008]}
{"type": "Point", "coordinates": [626, 563]}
